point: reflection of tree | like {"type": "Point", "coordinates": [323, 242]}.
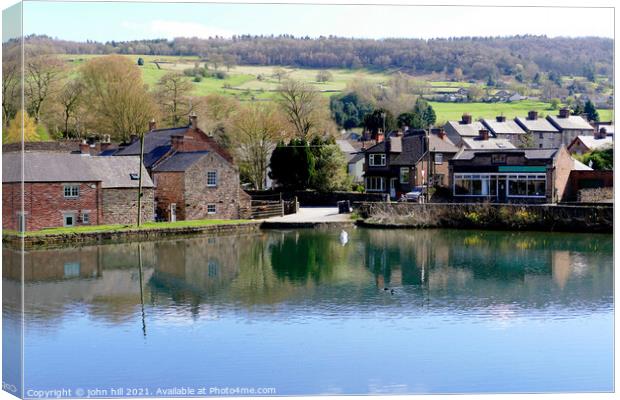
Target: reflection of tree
{"type": "Point", "coordinates": [305, 255]}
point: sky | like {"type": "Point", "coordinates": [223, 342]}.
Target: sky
{"type": "Point", "coordinates": [103, 21]}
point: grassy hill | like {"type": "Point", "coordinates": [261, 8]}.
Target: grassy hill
{"type": "Point", "coordinates": [258, 83]}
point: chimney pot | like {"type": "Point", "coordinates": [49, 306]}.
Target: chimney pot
{"type": "Point", "coordinates": [84, 147]}
{"type": "Point", "coordinates": [152, 125]}
{"type": "Point", "coordinates": [193, 120]}
{"type": "Point", "coordinates": [564, 113]}
{"type": "Point", "coordinates": [483, 134]}
{"type": "Point", "coordinates": [500, 118]}
{"type": "Point", "coordinates": [602, 133]}
{"type": "Point", "coordinates": [466, 119]}
{"type": "Point", "coordinates": [532, 115]}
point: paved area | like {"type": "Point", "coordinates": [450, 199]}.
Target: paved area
{"type": "Point", "coordinates": [313, 215]}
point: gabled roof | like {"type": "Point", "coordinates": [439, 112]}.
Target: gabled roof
{"type": "Point", "coordinates": [507, 127]}
{"type": "Point", "coordinates": [464, 130]}
{"type": "Point", "coordinates": [180, 162]}
{"type": "Point", "coordinates": [579, 166]}
{"type": "Point", "coordinates": [571, 122]}
{"type": "Point", "coordinates": [536, 125]}
{"type": "Point", "coordinates": [356, 158]}
{"type": "Point", "coordinates": [346, 146]}
{"type": "Point", "coordinates": [152, 141]}
{"type": "Point", "coordinates": [593, 143]}
{"type": "Point", "coordinates": [111, 171]}
{"type": "Point", "coordinates": [439, 145]}
{"type": "Point", "coordinates": [490, 143]}
{"type": "Point", "coordinates": [530, 154]}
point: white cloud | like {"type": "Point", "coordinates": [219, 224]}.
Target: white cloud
{"type": "Point", "coordinates": [170, 29]}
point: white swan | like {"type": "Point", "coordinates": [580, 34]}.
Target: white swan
{"type": "Point", "coordinates": [344, 237]}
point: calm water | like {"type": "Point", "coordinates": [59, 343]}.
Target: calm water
{"type": "Point", "coordinates": [302, 313]}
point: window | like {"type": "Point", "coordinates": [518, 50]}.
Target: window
{"type": "Point", "coordinates": [212, 268]}
{"type": "Point", "coordinates": [72, 269]}
{"type": "Point", "coordinates": [134, 177]}
{"type": "Point", "coordinates": [68, 219]}
{"type": "Point", "coordinates": [540, 136]}
{"type": "Point", "coordinates": [72, 191]}
{"type": "Point", "coordinates": [211, 178]}
{"type": "Point", "coordinates": [376, 160]}
{"type": "Point", "coordinates": [210, 208]}
{"type": "Point", "coordinates": [85, 217]}
{"type": "Point", "coordinates": [540, 145]}
{"type": "Point", "coordinates": [475, 185]}
{"type": "Point", "coordinates": [438, 158]}
{"type": "Point", "coordinates": [404, 175]}
{"type": "Point", "coordinates": [527, 185]}
{"type": "Point", "coordinates": [375, 184]}
{"type": "Point", "coordinates": [498, 158]}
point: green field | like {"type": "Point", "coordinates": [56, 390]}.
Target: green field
{"type": "Point", "coordinates": [246, 82]}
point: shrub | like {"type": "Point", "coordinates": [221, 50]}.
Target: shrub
{"type": "Point", "coordinates": [197, 78]}
{"type": "Point", "coordinates": [140, 61]}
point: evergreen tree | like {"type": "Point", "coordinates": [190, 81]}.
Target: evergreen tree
{"type": "Point", "coordinates": [590, 111]}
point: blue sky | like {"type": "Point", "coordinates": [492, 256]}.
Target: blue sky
{"type": "Point", "coordinates": [126, 21]}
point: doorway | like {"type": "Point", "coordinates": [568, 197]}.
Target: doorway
{"type": "Point", "coordinates": [173, 212]}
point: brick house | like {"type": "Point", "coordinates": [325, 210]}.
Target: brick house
{"type": "Point", "coordinates": [63, 189]}
{"type": "Point", "coordinates": [401, 162]}
{"type": "Point", "coordinates": [181, 161]}
{"type": "Point", "coordinates": [198, 185]}
{"type": "Point", "coordinates": [510, 175]}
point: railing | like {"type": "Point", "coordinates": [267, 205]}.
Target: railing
{"type": "Point", "coordinates": [268, 207]}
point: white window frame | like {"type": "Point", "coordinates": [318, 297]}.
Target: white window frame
{"type": "Point", "coordinates": [74, 191]}
{"type": "Point", "coordinates": [371, 160]}
{"type": "Point", "coordinates": [373, 188]}
{"type": "Point", "coordinates": [86, 217]}
{"type": "Point", "coordinates": [211, 178]}
{"type": "Point", "coordinates": [69, 214]}
{"type": "Point", "coordinates": [506, 177]}
{"type": "Point", "coordinates": [209, 206]}
{"type": "Point", "coordinates": [438, 158]}
{"type": "Point", "coordinates": [407, 171]}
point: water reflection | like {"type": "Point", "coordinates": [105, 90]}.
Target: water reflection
{"type": "Point", "coordinates": [260, 296]}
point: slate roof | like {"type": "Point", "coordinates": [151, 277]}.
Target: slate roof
{"type": "Point", "coordinates": [593, 143]}
{"type": "Point", "coordinates": [356, 158]}
{"type": "Point", "coordinates": [572, 122]}
{"type": "Point", "coordinates": [490, 143]}
{"type": "Point", "coordinates": [444, 145]}
{"type": "Point", "coordinates": [180, 162]}
{"type": "Point", "coordinates": [111, 171]}
{"type": "Point", "coordinates": [507, 127]}
{"type": "Point", "coordinates": [536, 125]}
{"type": "Point", "coordinates": [467, 129]}
{"type": "Point", "coordinates": [346, 146]}
{"type": "Point", "coordinates": [156, 144]}
{"type": "Point", "coordinates": [530, 154]}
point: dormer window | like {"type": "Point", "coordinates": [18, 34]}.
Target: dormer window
{"type": "Point", "coordinates": [376, 160]}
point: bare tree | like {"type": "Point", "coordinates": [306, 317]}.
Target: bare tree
{"type": "Point", "coordinates": [70, 98]}
{"type": "Point", "coordinates": [11, 84]}
{"type": "Point", "coordinates": [257, 128]}
{"type": "Point", "coordinates": [42, 73]}
{"type": "Point", "coordinates": [301, 104]}
{"type": "Point", "coordinates": [279, 74]}
{"type": "Point", "coordinates": [172, 95]}
{"type": "Point", "coordinates": [116, 97]}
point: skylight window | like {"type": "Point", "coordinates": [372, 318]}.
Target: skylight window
{"type": "Point", "coordinates": [134, 176]}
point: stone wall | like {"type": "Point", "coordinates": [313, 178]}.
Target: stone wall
{"type": "Point", "coordinates": [120, 205]}
{"type": "Point", "coordinates": [570, 218]}
{"type": "Point", "coordinates": [596, 195]}
{"type": "Point", "coordinates": [169, 189]}
{"type": "Point", "coordinates": [310, 198]}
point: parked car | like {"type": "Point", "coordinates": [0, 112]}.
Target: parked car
{"type": "Point", "coordinates": [417, 195]}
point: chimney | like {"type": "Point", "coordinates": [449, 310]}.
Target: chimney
{"type": "Point", "coordinates": [564, 112]}
{"type": "Point", "coordinates": [439, 132]}
{"type": "Point", "coordinates": [152, 125]}
{"type": "Point", "coordinates": [103, 146]}
{"type": "Point", "coordinates": [84, 147]}
{"type": "Point", "coordinates": [193, 120]}
{"type": "Point", "coordinates": [466, 119]}
{"type": "Point", "coordinates": [500, 118]}
{"type": "Point", "coordinates": [532, 115]}
{"type": "Point", "coordinates": [133, 139]}
{"type": "Point", "coordinates": [601, 134]}
{"type": "Point", "coordinates": [483, 134]}
{"type": "Point", "coordinates": [380, 136]}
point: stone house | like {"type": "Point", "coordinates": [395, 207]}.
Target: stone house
{"type": "Point", "coordinates": [585, 144]}
{"type": "Point", "coordinates": [184, 162]}
{"type": "Point", "coordinates": [544, 134]}
{"type": "Point", "coordinates": [510, 175]}
{"type": "Point", "coordinates": [63, 189]}
{"type": "Point", "coordinates": [198, 185]}
{"type": "Point", "coordinates": [570, 126]}
{"type": "Point", "coordinates": [501, 128]}
{"type": "Point", "coordinates": [402, 162]}
{"type": "Point", "coordinates": [465, 128]}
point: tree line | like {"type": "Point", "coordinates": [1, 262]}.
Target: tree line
{"type": "Point", "coordinates": [469, 57]}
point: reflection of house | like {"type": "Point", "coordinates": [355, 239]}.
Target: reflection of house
{"type": "Point", "coordinates": [195, 178]}
{"type": "Point", "coordinates": [544, 134]}
{"type": "Point", "coordinates": [63, 189]}
{"type": "Point", "coordinates": [510, 175]}
{"type": "Point", "coordinates": [585, 144]}
{"type": "Point", "coordinates": [399, 163]}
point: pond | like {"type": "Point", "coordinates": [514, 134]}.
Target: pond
{"type": "Point", "coordinates": [306, 312]}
